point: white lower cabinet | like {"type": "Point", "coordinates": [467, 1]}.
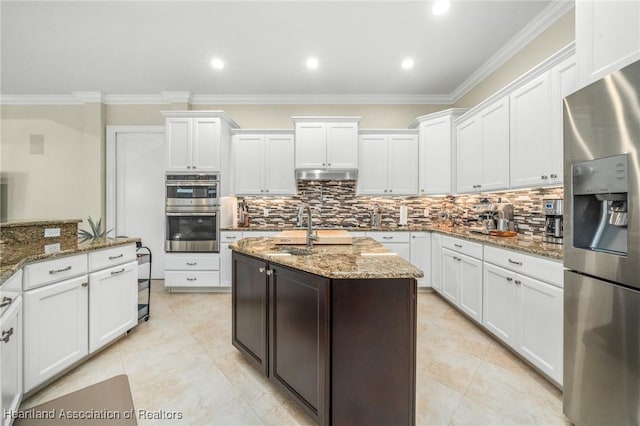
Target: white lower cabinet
{"type": "Point", "coordinates": [113, 303]}
{"type": "Point", "coordinates": [436, 262]}
{"type": "Point", "coordinates": [396, 242]}
{"type": "Point", "coordinates": [462, 282]}
{"type": "Point", "coordinates": [11, 359]}
{"type": "Point", "coordinates": [525, 312]}
{"type": "Point", "coordinates": [192, 270]}
{"type": "Point", "coordinates": [56, 329]}
{"type": "Point", "coordinates": [421, 255]}
{"type": "Point", "coordinates": [227, 238]}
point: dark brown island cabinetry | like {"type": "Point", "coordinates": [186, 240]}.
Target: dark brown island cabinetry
{"type": "Point", "coordinates": [343, 349]}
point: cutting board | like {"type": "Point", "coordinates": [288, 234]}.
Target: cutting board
{"type": "Point", "coordinates": [325, 236]}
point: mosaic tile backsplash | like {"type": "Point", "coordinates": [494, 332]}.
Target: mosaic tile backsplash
{"type": "Point", "coordinates": [335, 203]}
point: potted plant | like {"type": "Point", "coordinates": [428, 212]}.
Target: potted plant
{"type": "Point", "coordinates": [95, 231]}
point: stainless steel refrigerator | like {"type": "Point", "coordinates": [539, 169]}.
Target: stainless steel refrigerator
{"type": "Point", "coordinates": [602, 251]}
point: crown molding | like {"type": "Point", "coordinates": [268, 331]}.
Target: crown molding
{"type": "Point", "coordinates": [177, 97]}
{"type": "Point", "coordinates": [89, 97]}
{"type": "Point", "coordinates": [319, 99]}
{"type": "Point", "coordinates": [533, 29]}
{"type": "Point", "coordinates": [452, 112]}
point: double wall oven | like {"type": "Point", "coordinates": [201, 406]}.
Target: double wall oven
{"type": "Point", "coordinates": [192, 212]}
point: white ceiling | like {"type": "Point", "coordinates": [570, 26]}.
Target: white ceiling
{"type": "Point", "coordinates": [149, 47]}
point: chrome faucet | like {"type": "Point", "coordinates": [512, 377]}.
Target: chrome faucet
{"type": "Point", "coordinates": [310, 237]}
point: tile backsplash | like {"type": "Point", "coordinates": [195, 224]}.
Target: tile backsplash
{"type": "Point", "coordinates": [335, 203]}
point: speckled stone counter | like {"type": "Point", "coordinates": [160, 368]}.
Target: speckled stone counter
{"type": "Point", "coordinates": [365, 258]}
{"type": "Point", "coordinates": [6, 271]}
{"type": "Point", "coordinates": [532, 245]}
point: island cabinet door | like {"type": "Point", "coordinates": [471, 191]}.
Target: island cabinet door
{"type": "Point", "coordinates": [373, 351]}
{"type": "Point", "coordinates": [299, 338]}
{"type": "Point", "coordinates": [249, 298]}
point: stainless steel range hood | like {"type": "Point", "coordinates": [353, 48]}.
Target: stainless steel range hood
{"type": "Point", "coordinates": [322, 174]}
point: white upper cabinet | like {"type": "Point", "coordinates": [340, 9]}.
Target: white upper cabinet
{"type": "Point", "coordinates": [388, 164]}
{"type": "Point", "coordinates": [607, 37]}
{"type": "Point", "coordinates": [193, 144]}
{"type": "Point", "coordinates": [531, 133]}
{"type": "Point", "coordinates": [263, 164]}
{"type": "Point", "coordinates": [326, 142]}
{"type": "Point", "coordinates": [436, 151]}
{"type": "Point", "coordinates": [536, 126]}
{"type": "Point", "coordinates": [199, 142]}
{"type": "Point", "coordinates": [483, 149]}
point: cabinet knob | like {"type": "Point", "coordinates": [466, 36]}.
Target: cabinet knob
{"type": "Point", "coordinates": [518, 282]}
{"type": "Point", "coordinates": [261, 270]}
{"type": "Point", "coordinates": [509, 279]}
{"type": "Point", "coordinates": [554, 176]}
{"type": "Point", "coordinates": [6, 301]}
{"type": "Point", "coordinates": [323, 164]}
{"type": "Point", "coordinates": [85, 284]}
{"type": "Point", "coordinates": [193, 167]}
{"type": "Point", "coordinates": [266, 190]}
{"type": "Point", "coordinates": [188, 167]}
{"type": "Point", "coordinates": [391, 190]}
{"type": "Point", "coordinates": [328, 164]}
{"type": "Point", "coordinates": [422, 190]}
{"type": "Point", "coordinates": [385, 190]}
{"type": "Point", "coordinates": [543, 177]}
{"type": "Point", "coordinates": [6, 335]}
{"type": "Point", "coordinates": [269, 272]}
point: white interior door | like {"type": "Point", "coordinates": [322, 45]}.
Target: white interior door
{"type": "Point", "coordinates": [139, 190]}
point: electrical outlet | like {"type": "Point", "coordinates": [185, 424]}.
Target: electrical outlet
{"type": "Point", "coordinates": [425, 213]}
{"type": "Point", "coordinates": [51, 232]}
{"type": "Point", "coordinates": [265, 212]}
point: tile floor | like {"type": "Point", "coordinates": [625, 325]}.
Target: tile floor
{"type": "Point", "coordinates": [182, 360]}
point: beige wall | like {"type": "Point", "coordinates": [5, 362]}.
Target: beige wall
{"type": "Point", "coordinates": [554, 38]}
{"type": "Point", "coordinates": [67, 180]}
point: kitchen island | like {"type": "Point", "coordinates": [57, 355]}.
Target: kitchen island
{"type": "Point", "coordinates": [335, 330]}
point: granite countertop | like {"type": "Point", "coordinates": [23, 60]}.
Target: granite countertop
{"type": "Point", "coordinates": [6, 271]}
{"type": "Point", "coordinates": [32, 222]}
{"type": "Point", "coordinates": [365, 258]}
{"type": "Point", "coordinates": [524, 243]}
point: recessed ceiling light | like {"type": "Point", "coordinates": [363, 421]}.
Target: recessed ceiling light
{"type": "Point", "coordinates": [312, 63]}
{"type": "Point", "coordinates": [217, 63]}
{"type": "Point", "coordinates": [441, 7]}
{"type": "Point", "coordinates": [407, 63]}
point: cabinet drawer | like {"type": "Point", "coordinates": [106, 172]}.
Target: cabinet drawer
{"type": "Point", "coordinates": [191, 279]}
{"type": "Point", "coordinates": [230, 237]}
{"type": "Point", "coordinates": [49, 271]}
{"type": "Point", "coordinates": [101, 259]}
{"type": "Point", "coordinates": [192, 262]}
{"type": "Point", "coordinates": [544, 269]}
{"type": "Point", "coordinates": [462, 246]}
{"type": "Point", "coordinates": [389, 237]}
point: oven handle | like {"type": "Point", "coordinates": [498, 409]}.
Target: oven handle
{"type": "Point", "coordinates": [191, 184]}
{"type": "Point", "coordinates": [191, 214]}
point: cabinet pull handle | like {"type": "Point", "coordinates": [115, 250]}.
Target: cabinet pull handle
{"type": "Point", "coordinates": [323, 164]}
{"type": "Point", "coordinates": [57, 271]}
{"type": "Point", "coordinates": [543, 177]}
{"type": "Point", "coordinates": [85, 284]}
{"type": "Point", "coordinates": [509, 279]}
{"type": "Point", "coordinates": [192, 279]}
{"type": "Point", "coordinates": [269, 272]}
{"type": "Point", "coordinates": [328, 164]}
{"type": "Point", "coordinates": [117, 272]}
{"type": "Point", "coordinates": [553, 176]}
{"type": "Point", "coordinates": [261, 270]}
{"type": "Point", "coordinates": [422, 190]}
{"type": "Point", "coordinates": [518, 282]}
{"type": "Point", "coordinates": [458, 245]}
{"type": "Point", "coordinates": [116, 257]}
{"type": "Point", "coordinates": [192, 263]}
{"type": "Point", "coordinates": [228, 237]}
{"type": "Point", "coordinates": [6, 335]}
{"type": "Point", "coordinates": [385, 190]}
{"type": "Point", "coordinates": [387, 237]}
{"type": "Point", "coordinates": [6, 301]}
{"type": "Point", "coordinates": [515, 262]}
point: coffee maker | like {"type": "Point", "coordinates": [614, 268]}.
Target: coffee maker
{"type": "Point", "coordinates": [553, 221]}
